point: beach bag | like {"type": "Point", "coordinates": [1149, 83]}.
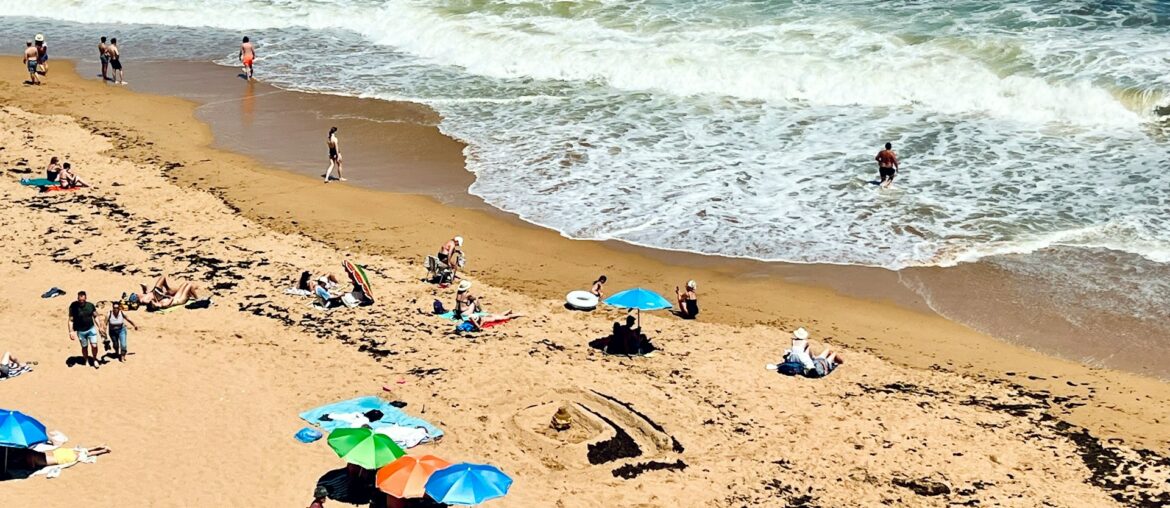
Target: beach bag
{"type": "Point", "coordinates": [790, 368]}
{"type": "Point", "coordinates": [349, 300]}
{"type": "Point", "coordinates": [439, 307]}
{"type": "Point", "coordinates": [465, 326]}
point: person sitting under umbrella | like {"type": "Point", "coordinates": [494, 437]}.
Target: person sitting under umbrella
{"type": "Point", "coordinates": [627, 339]}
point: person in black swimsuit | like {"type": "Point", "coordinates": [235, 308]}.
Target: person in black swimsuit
{"type": "Point", "coordinates": [688, 301]}
{"type": "Point", "coordinates": [334, 155]}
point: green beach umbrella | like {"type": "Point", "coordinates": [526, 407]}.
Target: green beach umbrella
{"type": "Point", "coordinates": [364, 447]}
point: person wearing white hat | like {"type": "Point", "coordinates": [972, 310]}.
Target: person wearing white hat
{"type": "Point", "coordinates": [42, 54]}
{"type": "Point", "coordinates": [688, 301]}
{"type": "Point", "coordinates": [819, 366]}
{"type": "Point", "coordinates": [465, 302]}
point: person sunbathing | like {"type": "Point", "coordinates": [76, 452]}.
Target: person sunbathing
{"type": "Point", "coordinates": [818, 366]}
{"type": "Point", "coordinates": [164, 293]}
{"type": "Point", "coordinates": [307, 283]}
{"type": "Point", "coordinates": [35, 461]}
{"type": "Point", "coordinates": [10, 366]}
{"type": "Point", "coordinates": [477, 322]}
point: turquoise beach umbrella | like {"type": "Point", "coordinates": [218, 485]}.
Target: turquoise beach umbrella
{"type": "Point", "coordinates": [640, 299]}
{"type": "Point", "coordinates": [467, 484]}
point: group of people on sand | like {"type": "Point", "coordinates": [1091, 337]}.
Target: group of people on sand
{"type": "Point", "coordinates": [90, 327]}
{"type": "Point", "coordinates": [111, 58]}
{"type": "Point", "coordinates": [63, 174]}
{"type": "Point", "coordinates": [36, 59]}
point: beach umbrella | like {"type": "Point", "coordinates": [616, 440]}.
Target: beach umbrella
{"type": "Point", "coordinates": [467, 484]}
{"type": "Point", "coordinates": [364, 447]}
{"type": "Point", "coordinates": [640, 299]}
{"type": "Point", "coordinates": [18, 430]}
{"type": "Point", "coordinates": [407, 477]}
{"type": "Point", "coordinates": [357, 274]}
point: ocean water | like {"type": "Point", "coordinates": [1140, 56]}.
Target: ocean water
{"type": "Point", "coordinates": [748, 128]}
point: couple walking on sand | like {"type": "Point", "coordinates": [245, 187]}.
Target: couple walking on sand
{"type": "Point", "coordinates": [83, 327]}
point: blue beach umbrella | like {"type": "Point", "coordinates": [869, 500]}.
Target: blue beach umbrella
{"type": "Point", "coordinates": [640, 299]}
{"type": "Point", "coordinates": [18, 430]}
{"type": "Point", "coordinates": [467, 484]}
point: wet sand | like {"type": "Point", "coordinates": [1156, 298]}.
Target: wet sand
{"type": "Point", "coordinates": [995, 423]}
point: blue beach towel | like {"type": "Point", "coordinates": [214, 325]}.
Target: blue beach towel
{"type": "Point", "coordinates": [38, 182]}
{"type": "Point", "coordinates": [393, 415]}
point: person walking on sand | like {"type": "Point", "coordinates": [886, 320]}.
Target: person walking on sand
{"type": "Point", "coordinates": [116, 322]}
{"type": "Point", "coordinates": [334, 155]}
{"type": "Point", "coordinates": [30, 61]}
{"type": "Point", "coordinates": [42, 55]}
{"type": "Point", "coordinates": [115, 55]}
{"type": "Point", "coordinates": [887, 166]}
{"type": "Point", "coordinates": [83, 328]}
{"type": "Point", "coordinates": [247, 56]}
{"type": "Point", "coordinates": [104, 57]}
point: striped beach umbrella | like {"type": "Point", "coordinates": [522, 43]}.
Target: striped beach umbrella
{"type": "Point", "coordinates": [357, 274]}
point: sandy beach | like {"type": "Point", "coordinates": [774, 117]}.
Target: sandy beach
{"type": "Point", "coordinates": [925, 412]}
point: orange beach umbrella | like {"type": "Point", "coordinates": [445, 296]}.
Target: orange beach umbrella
{"type": "Point", "coordinates": [407, 476]}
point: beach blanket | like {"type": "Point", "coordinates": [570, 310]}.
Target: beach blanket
{"type": "Point", "coordinates": [392, 416]}
{"type": "Point", "coordinates": [58, 188]}
{"type": "Point", "coordinates": [55, 471]}
{"type": "Point", "coordinates": [450, 315]}
{"type": "Point", "coordinates": [297, 292]}
{"type": "Point", "coordinates": [38, 182]}
{"type": "Point", "coordinates": [17, 371]}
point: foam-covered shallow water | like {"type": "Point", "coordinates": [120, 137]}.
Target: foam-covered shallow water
{"type": "Point", "coordinates": [747, 128]}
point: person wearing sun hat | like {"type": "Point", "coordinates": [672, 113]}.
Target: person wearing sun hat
{"type": "Point", "coordinates": [688, 301]}
{"type": "Point", "coordinates": [819, 366]}
{"type": "Point", "coordinates": [465, 302]}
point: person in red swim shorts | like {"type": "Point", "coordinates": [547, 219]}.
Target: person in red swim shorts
{"type": "Point", "coordinates": [247, 56]}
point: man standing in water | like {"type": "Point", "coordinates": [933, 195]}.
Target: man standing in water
{"type": "Point", "coordinates": [115, 55]}
{"type": "Point", "coordinates": [105, 59]}
{"type": "Point", "coordinates": [42, 55]}
{"type": "Point", "coordinates": [247, 56]}
{"type": "Point", "coordinates": [887, 166]}
{"type": "Point", "coordinates": [30, 61]}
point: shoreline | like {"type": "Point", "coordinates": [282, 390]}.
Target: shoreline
{"type": "Point", "coordinates": [232, 377]}
{"type": "Point", "coordinates": [404, 226]}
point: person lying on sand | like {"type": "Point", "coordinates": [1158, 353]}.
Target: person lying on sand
{"type": "Point", "coordinates": [34, 461]}
{"type": "Point", "coordinates": [477, 322]}
{"type": "Point", "coordinates": [307, 283]}
{"type": "Point", "coordinates": [69, 179]}
{"type": "Point", "coordinates": [11, 366]}
{"type": "Point", "coordinates": [164, 293]}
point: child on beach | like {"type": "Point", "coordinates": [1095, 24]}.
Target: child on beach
{"type": "Point", "coordinates": [598, 288]}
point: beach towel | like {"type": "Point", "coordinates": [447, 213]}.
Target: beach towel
{"type": "Point", "coordinates": [489, 324]}
{"type": "Point", "coordinates": [297, 292]}
{"type": "Point", "coordinates": [10, 373]}
{"type": "Point", "coordinates": [55, 471]}
{"type": "Point", "coordinates": [38, 182]}
{"type": "Point", "coordinates": [58, 188]}
{"type": "Point", "coordinates": [392, 416]}
{"type": "Point", "coordinates": [308, 435]}
{"type": "Point", "coordinates": [197, 304]}
{"type": "Point", "coordinates": [450, 315]}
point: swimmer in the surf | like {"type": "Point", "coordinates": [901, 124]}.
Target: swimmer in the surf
{"type": "Point", "coordinates": [247, 56]}
{"type": "Point", "coordinates": [334, 155]}
{"type": "Point", "coordinates": [887, 166]}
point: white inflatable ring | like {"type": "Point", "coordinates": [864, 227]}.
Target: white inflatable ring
{"type": "Point", "coordinates": [581, 300]}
